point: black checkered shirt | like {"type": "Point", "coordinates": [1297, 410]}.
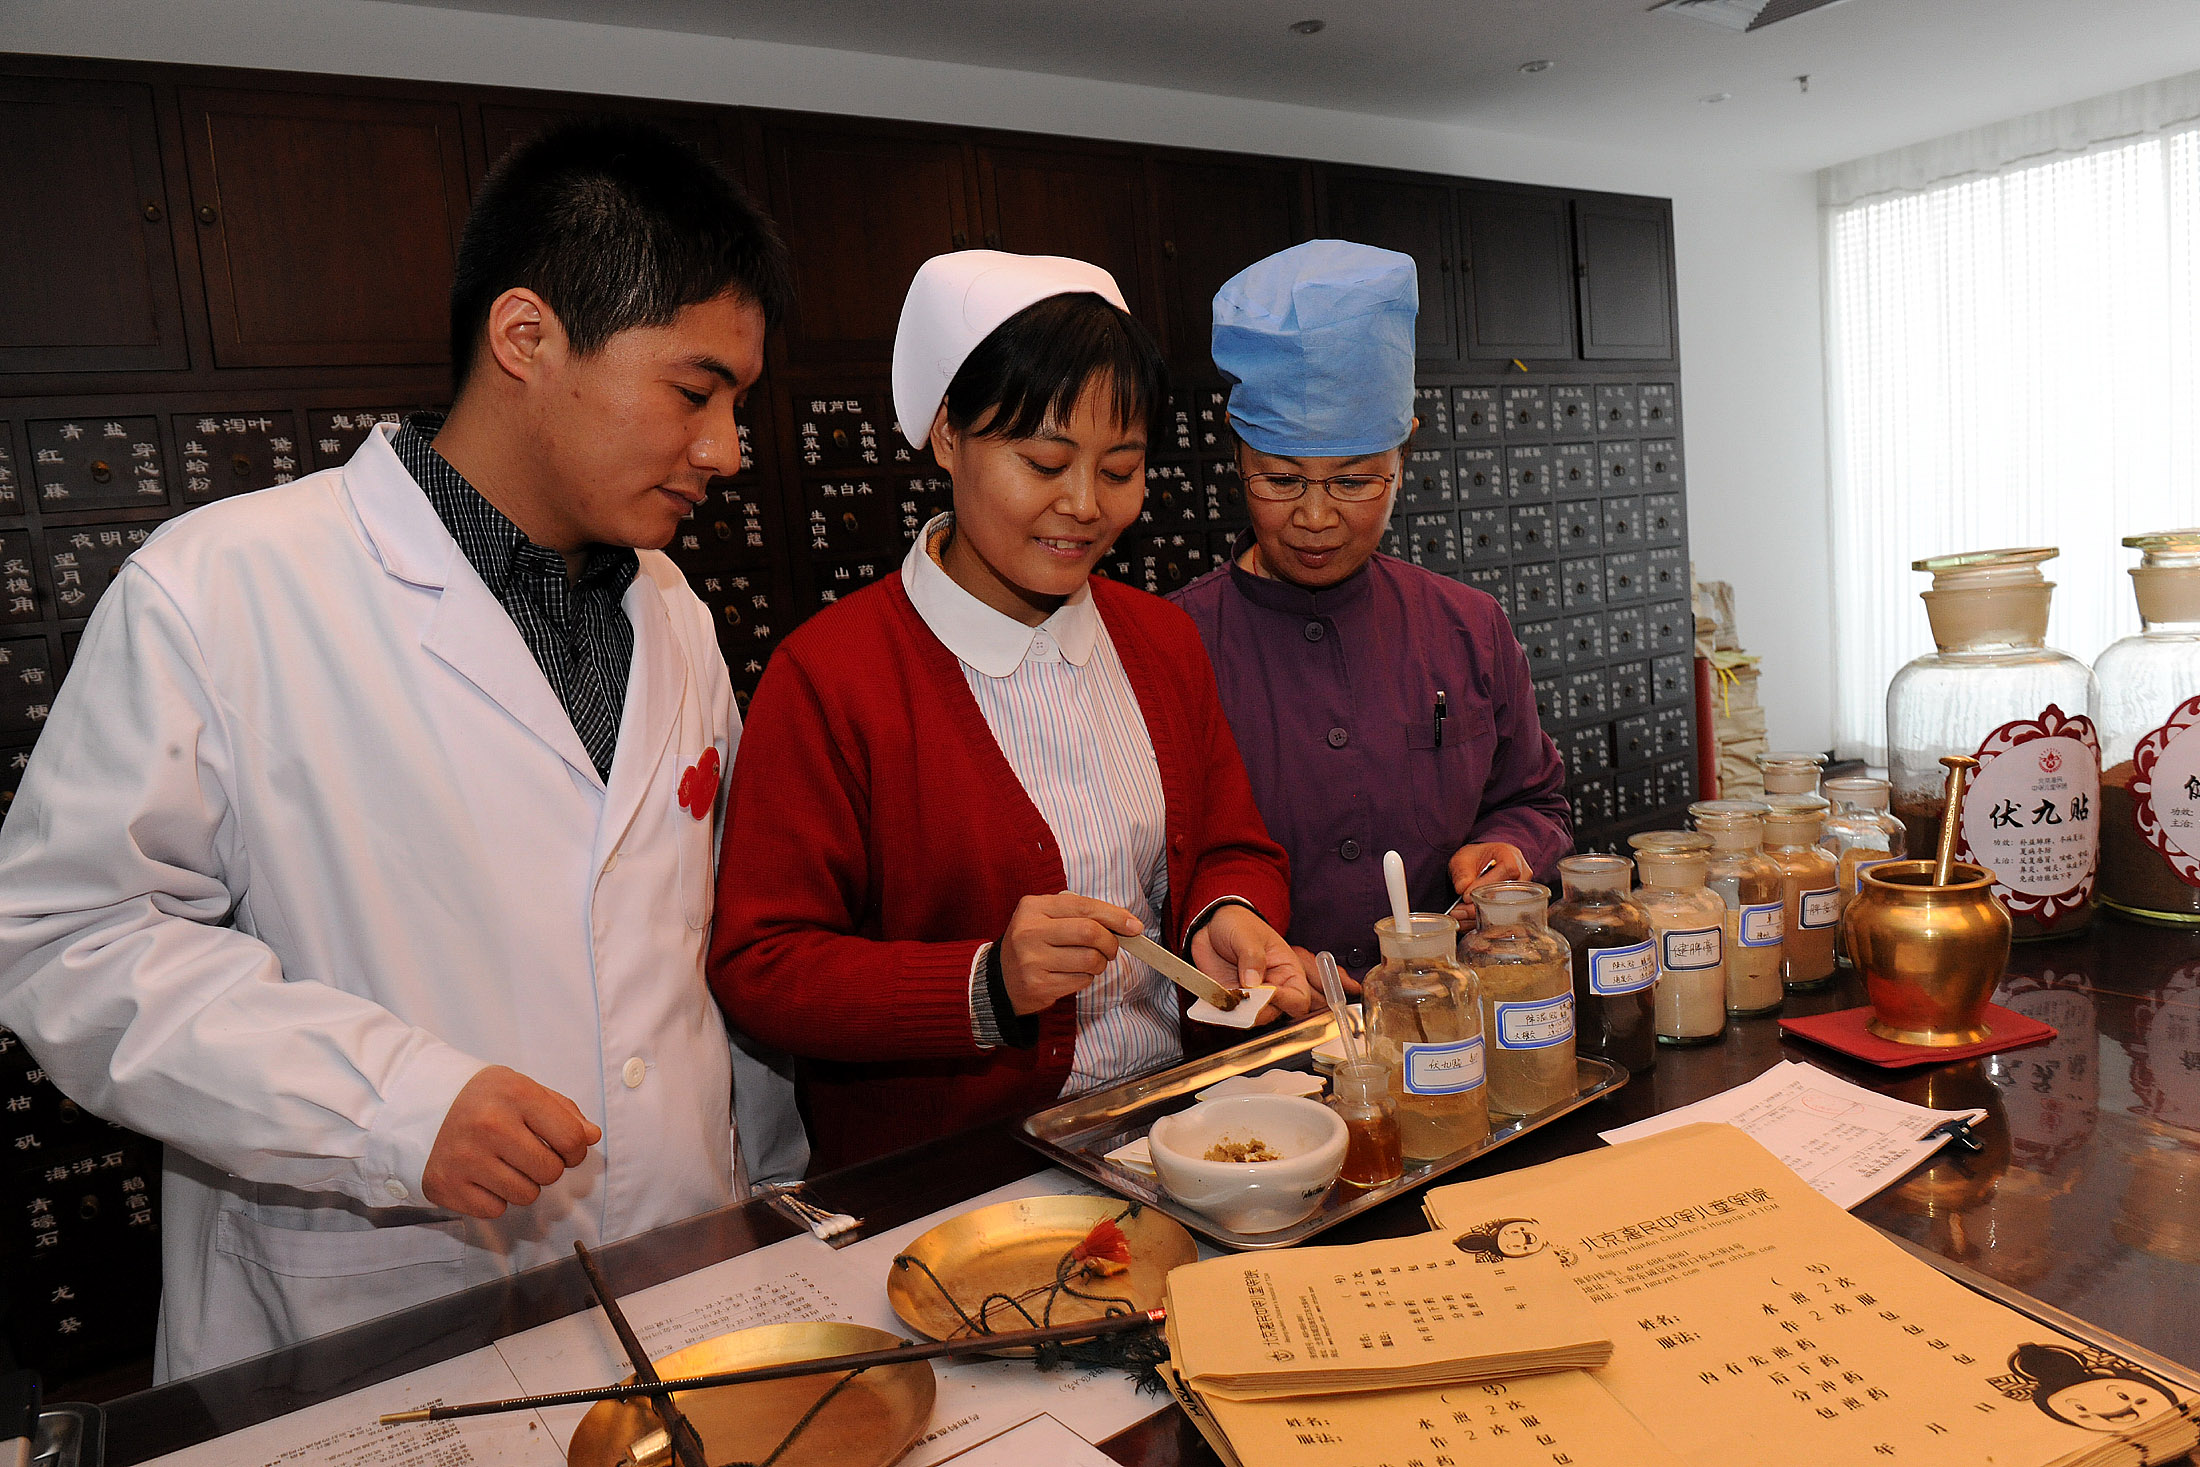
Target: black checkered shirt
{"type": "Point", "coordinates": [576, 628]}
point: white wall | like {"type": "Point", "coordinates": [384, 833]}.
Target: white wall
{"type": "Point", "coordinates": [1746, 244]}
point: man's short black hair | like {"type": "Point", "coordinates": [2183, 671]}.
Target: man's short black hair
{"type": "Point", "coordinates": [616, 224]}
{"type": "Point", "coordinates": [1031, 369]}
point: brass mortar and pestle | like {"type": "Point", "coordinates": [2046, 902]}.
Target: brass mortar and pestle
{"type": "Point", "coordinates": [1930, 939]}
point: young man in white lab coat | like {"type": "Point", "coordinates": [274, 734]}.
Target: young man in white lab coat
{"type": "Point", "coordinates": [367, 857]}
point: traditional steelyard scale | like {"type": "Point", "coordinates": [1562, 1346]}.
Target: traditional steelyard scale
{"type": "Point", "coordinates": [1930, 939]}
{"type": "Point", "coordinates": [747, 1398]}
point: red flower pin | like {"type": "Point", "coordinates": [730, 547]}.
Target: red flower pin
{"type": "Point", "coordinates": [699, 785]}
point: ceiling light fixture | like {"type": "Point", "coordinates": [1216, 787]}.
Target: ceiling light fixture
{"type": "Point", "coordinates": [1717, 97]}
{"type": "Point", "coordinates": [1535, 68]}
{"type": "Point", "coordinates": [1307, 27]}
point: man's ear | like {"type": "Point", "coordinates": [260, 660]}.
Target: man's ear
{"type": "Point", "coordinates": [521, 331]}
{"type": "Point", "coordinates": [946, 442]}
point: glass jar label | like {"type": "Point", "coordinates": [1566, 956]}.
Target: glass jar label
{"type": "Point", "coordinates": [2028, 815]}
{"type": "Point", "coordinates": [1763, 924]}
{"type": "Point", "coordinates": [2165, 790]}
{"type": "Point", "coordinates": [1616, 970]}
{"type": "Point", "coordinates": [1444, 1069]}
{"type": "Point", "coordinates": [1536, 1023]}
{"type": "Point", "coordinates": [1820, 908]}
{"type": "Point", "coordinates": [1856, 876]}
{"type": "Point", "coordinates": [1690, 949]}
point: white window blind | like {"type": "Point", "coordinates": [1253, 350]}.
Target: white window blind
{"type": "Point", "coordinates": [2014, 360]}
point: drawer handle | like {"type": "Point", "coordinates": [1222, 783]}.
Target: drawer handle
{"type": "Point", "coordinates": [207, 214]}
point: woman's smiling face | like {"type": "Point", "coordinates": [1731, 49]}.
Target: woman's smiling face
{"type": "Point", "coordinates": [1034, 515]}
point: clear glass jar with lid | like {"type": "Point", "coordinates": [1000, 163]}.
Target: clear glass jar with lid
{"type": "Point", "coordinates": [1859, 833]}
{"type": "Point", "coordinates": [1996, 691]}
{"type": "Point", "coordinates": [1688, 924]}
{"type": "Point", "coordinates": [1810, 895]}
{"type": "Point", "coordinates": [1527, 978]}
{"type": "Point", "coordinates": [1791, 773]}
{"type": "Point", "coordinates": [1423, 1014]}
{"type": "Point", "coordinates": [1615, 963]}
{"type": "Point", "coordinates": [1752, 888]}
{"type": "Point", "coordinates": [2147, 711]}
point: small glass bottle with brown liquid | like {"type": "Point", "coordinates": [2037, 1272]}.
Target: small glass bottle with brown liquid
{"type": "Point", "coordinates": [1751, 886]}
{"type": "Point", "coordinates": [1615, 963]}
{"type": "Point", "coordinates": [1527, 997]}
{"type": "Point", "coordinates": [1810, 895]}
{"type": "Point", "coordinates": [1423, 1014]}
{"type": "Point", "coordinates": [1373, 1153]}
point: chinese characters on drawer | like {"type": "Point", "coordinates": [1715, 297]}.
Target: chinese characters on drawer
{"type": "Point", "coordinates": [97, 464]}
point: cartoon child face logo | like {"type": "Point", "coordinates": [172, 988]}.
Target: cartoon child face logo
{"type": "Point", "coordinates": [1507, 1237]}
{"type": "Point", "coordinates": [2105, 1404]}
{"type": "Point", "coordinates": [2095, 1391]}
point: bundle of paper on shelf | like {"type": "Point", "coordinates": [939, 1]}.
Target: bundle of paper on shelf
{"type": "Point", "coordinates": [1737, 719]}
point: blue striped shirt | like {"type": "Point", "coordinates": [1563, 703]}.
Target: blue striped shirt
{"type": "Point", "coordinates": [1062, 710]}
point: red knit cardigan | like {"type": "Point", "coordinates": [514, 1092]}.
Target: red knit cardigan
{"type": "Point", "coordinates": [876, 837]}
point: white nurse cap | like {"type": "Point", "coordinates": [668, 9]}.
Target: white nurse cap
{"type": "Point", "coordinates": [955, 302]}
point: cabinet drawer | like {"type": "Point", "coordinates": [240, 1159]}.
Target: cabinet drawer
{"type": "Point", "coordinates": [1580, 526]}
{"type": "Point", "coordinates": [1527, 412]}
{"type": "Point", "coordinates": [1476, 414]}
{"type": "Point", "coordinates": [1528, 471]}
{"type": "Point", "coordinates": [1479, 476]}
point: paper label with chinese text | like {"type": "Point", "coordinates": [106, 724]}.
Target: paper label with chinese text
{"type": "Point", "coordinates": [1763, 924]}
{"type": "Point", "coordinates": [1444, 1069]}
{"type": "Point", "coordinates": [1536, 1023]}
{"type": "Point", "coordinates": [1820, 908]}
{"type": "Point", "coordinates": [1691, 949]}
{"type": "Point", "coordinates": [1617, 970]}
{"type": "Point", "coordinates": [2165, 790]}
{"type": "Point", "coordinates": [2029, 814]}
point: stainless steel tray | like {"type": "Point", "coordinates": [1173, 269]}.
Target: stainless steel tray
{"type": "Point", "coordinates": [1079, 1133]}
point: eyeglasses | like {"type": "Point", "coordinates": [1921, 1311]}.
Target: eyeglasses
{"type": "Point", "coordinates": [1345, 488]}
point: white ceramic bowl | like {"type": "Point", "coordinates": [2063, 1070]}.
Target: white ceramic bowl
{"type": "Point", "coordinates": [1251, 1196]}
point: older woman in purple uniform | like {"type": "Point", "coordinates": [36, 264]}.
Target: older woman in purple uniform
{"type": "Point", "coordinates": [1379, 706]}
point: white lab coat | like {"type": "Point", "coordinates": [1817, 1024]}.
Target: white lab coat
{"type": "Point", "coordinates": [307, 842]}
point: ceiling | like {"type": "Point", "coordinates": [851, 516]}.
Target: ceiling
{"type": "Point", "coordinates": [1883, 73]}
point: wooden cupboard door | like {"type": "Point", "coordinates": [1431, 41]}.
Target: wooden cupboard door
{"type": "Point", "coordinates": [89, 283]}
{"type": "Point", "coordinates": [1625, 249]}
{"type": "Point", "coordinates": [328, 225]}
{"type": "Point", "coordinates": [860, 212]}
{"type": "Point", "coordinates": [1520, 274]}
{"type": "Point", "coordinates": [1089, 206]}
{"type": "Point", "coordinates": [1414, 219]}
{"type": "Point", "coordinates": [503, 125]}
{"type": "Point", "coordinates": [1217, 218]}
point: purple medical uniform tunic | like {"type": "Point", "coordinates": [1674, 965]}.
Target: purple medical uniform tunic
{"type": "Point", "coordinates": [1332, 697]}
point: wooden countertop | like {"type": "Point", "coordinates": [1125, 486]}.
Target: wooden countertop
{"type": "Point", "coordinates": [2087, 1196]}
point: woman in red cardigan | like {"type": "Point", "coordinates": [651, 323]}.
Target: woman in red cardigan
{"type": "Point", "coordinates": [957, 787]}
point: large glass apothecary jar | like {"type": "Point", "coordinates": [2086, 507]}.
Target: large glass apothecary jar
{"type": "Point", "coordinates": [2147, 712]}
{"type": "Point", "coordinates": [1995, 690]}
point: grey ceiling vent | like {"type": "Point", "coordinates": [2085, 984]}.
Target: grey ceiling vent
{"type": "Point", "coordinates": [1742, 15]}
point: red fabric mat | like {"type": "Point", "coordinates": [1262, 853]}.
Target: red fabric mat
{"type": "Point", "coordinates": [1845, 1031]}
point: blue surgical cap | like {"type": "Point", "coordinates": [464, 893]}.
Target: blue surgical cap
{"type": "Point", "coordinates": [1317, 342]}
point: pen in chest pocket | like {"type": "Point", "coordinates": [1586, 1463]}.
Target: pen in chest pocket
{"type": "Point", "coordinates": [1441, 714]}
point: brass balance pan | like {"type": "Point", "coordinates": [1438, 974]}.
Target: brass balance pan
{"type": "Point", "coordinates": [871, 1423]}
{"type": "Point", "coordinates": [1015, 1247]}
